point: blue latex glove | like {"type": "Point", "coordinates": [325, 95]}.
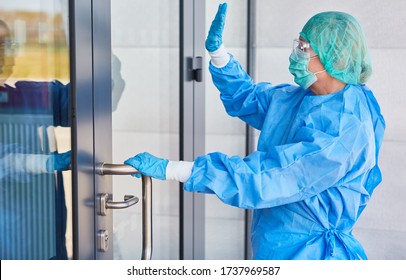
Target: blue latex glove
{"type": "Point", "coordinates": [148, 165]}
{"type": "Point", "coordinates": [59, 162]}
{"type": "Point", "coordinates": [214, 40]}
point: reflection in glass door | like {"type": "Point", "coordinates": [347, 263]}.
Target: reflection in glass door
{"type": "Point", "coordinates": [35, 188]}
{"type": "Point", "coordinates": [145, 99]}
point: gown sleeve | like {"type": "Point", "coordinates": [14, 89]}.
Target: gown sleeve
{"type": "Point", "coordinates": [313, 161]}
{"type": "Point", "coordinates": [11, 167]}
{"type": "Point", "coordinates": [240, 95]}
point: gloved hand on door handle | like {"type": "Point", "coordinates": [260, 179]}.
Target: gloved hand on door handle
{"type": "Point", "coordinates": [148, 165]}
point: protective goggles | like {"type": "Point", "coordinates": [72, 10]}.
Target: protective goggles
{"type": "Point", "coordinates": [301, 50]}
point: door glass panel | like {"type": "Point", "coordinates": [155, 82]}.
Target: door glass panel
{"type": "Point", "coordinates": [35, 193]}
{"type": "Point", "coordinates": [225, 224]}
{"type": "Point", "coordinates": [145, 74]}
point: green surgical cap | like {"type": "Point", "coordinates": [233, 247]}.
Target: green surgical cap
{"type": "Point", "coordinates": [339, 41]}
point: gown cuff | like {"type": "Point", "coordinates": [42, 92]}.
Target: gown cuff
{"type": "Point", "coordinates": [179, 170]}
{"type": "Point", "coordinates": [220, 57]}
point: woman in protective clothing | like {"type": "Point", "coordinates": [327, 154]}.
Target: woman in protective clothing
{"type": "Point", "coordinates": [316, 164]}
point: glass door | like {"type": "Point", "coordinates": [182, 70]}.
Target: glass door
{"type": "Point", "coordinates": [35, 143]}
{"type": "Point", "coordinates": [137, 88]}
{"type": "Point", "coordinates": [127, 101]}
{"type": "Point", "coordinates": [145, 117]}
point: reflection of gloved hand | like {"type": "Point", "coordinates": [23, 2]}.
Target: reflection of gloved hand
{"type": "Point", "coordinates": [59, 162]}
{"type": "Point", "coordinates": [214, 40]}
{"type": "Point", "coordinates": [149, 165]}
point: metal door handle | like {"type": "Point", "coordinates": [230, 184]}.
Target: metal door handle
{"type": "Point", "coordinates": [124, 169]}
{"type": "Point", "coordinates": [105, 203]}
{"type": "Point", "coordinates": [115, 169]}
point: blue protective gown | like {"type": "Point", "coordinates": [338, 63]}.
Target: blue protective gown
{"type": "Point", "coordinates": [314, 170]}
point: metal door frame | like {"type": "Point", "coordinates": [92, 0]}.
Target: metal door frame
{"type": "Point", "coordinates": [192, 126]}
{"type": "Point", "coordinates": [83, 179]}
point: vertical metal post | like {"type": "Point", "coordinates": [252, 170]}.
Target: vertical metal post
{"type": "Point", "coordinates": [192, 119]}
{"type": "Point", "coordinates": [147, 231]}
{"type": "Point", "coordinates": [101, 30]}
{"type": "Point", "coordinates": [81, 76]}
{"type": "Point", "coordinates": [199, 125]}
{"type": "Point", "coordinates": [250, 133]}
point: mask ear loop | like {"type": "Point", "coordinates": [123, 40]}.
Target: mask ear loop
{"type": "Point", "coordinates": [318, 72]}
